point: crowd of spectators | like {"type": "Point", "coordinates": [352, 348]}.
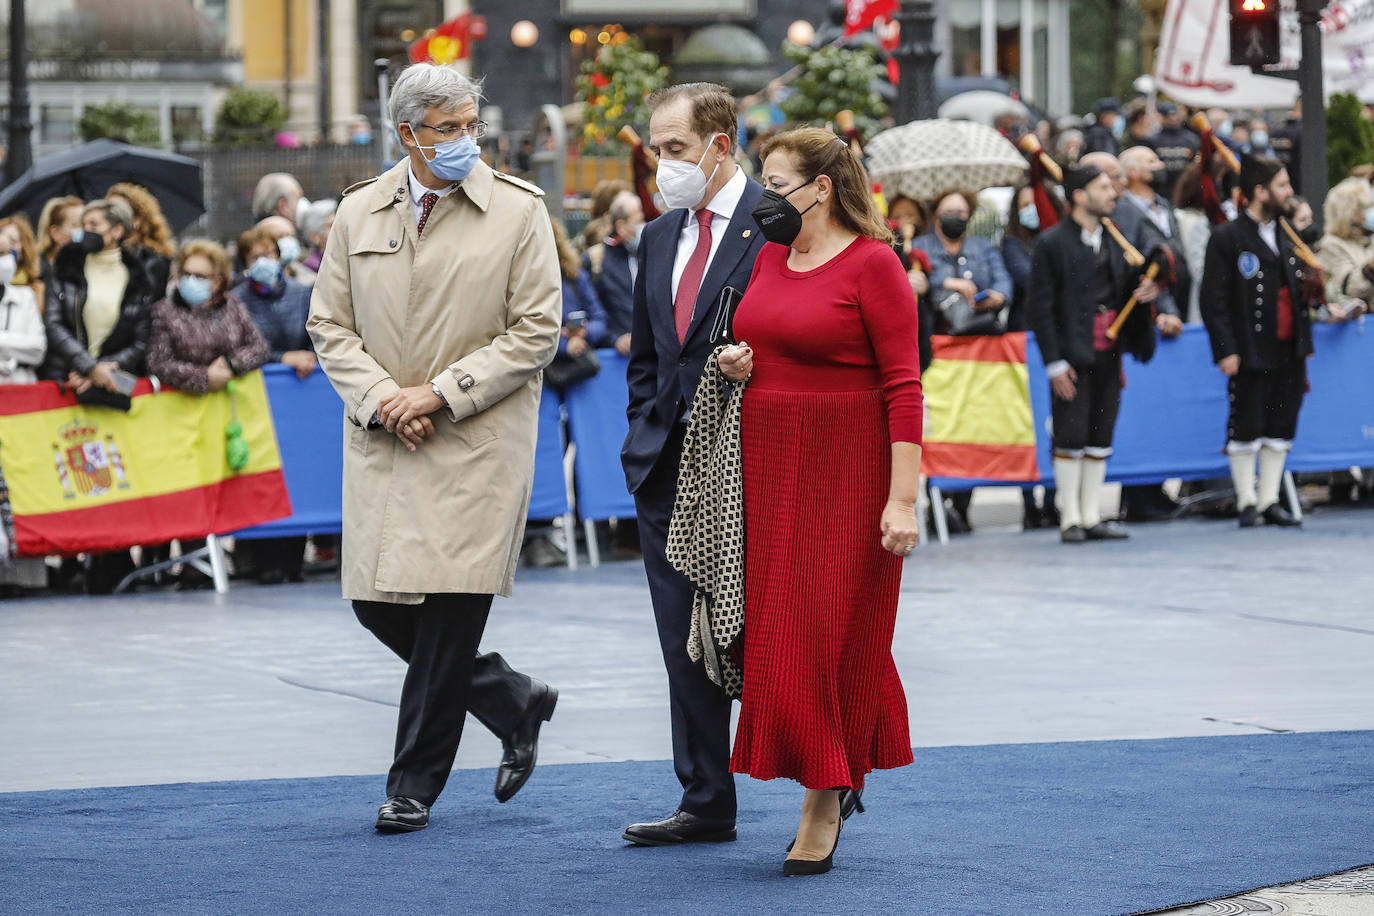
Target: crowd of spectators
{"type": "Point", "coordinates": [102, 292]}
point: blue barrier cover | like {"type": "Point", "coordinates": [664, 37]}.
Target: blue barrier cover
{"type": "Point", "coordinates": [549, 496]}
{"type": "Point", "coordinates": [309, 418]}
{"type": "Point", "coordinates": [598, 426]}
{"type": "Point", "coordinates": [1173, 411]}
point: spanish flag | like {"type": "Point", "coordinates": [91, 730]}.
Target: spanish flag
{"type": "Point", "coordinates": [89, 479]}
{"type": "Point", "coordinates": [979, 424]}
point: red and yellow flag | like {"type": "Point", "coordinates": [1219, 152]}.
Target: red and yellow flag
{"type": "Point", "coordinates": [979, 424]}
{"type": "Point", "coordinates": [89, 479]}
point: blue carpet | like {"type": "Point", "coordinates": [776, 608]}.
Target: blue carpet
{"type": "Point", "coordinates": [1058, 829]}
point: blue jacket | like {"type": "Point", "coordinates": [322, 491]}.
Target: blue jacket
{"type": "Point", "coordinates": [280, 315]}
{"type": "Point", "coordinates": [979, 261]}
{"type": "Point", "coordinates": [580, 295]}
{"type": "Point", "coordinates": [615, 288]}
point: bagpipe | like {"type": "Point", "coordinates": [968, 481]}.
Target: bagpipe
{"type": "Point", "coordinates": [1042, 170]}
{"type": "Point", "coordinates": [643, 164]}
{"type": "Point", "coordinates": [1159, 261]}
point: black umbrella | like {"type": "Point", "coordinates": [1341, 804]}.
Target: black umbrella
{"type": "Point", "coordinates": [88, 171]}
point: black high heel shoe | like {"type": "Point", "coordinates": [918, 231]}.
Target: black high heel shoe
{"type": "Point", "coordinates": [850, 801]}
{"type": "Point", "coordinates": [793, 868]}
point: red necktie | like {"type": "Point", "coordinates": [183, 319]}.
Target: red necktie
{"type": "Point", "coordinates": [427, 203]}
{"type": "Point", "coordinates": [690, 283]}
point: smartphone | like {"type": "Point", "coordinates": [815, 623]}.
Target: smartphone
{"type": "Point", "coordinates": [980, 295]}
{"type": "Point", "coordinates": [577, 319]}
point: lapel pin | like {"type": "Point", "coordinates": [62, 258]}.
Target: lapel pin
{"type": "Point", "coordinates": [746, 233]}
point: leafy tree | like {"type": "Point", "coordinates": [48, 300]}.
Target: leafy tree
{"type": "Point", "coordinates": [613, 86]}
{"type": "Point", "coordinates": [1349, 137]}
{"type": "Point", "coordinates": [119, 121]}
{"type": "Point", "coordinates": [833, 79]}
{"type": "Point", "coordinates": [248, 116]}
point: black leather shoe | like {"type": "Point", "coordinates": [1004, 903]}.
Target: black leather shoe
{"type": "Point", "coordinates": [1074, 534]}
{"type": "Point", "coordinates": [1107, 531]}
{"type": "Point", "coordinates": [1248, 517]}
{"type": "Point", "coordinates": [402, 815]}
{"type": "Point", "coordinates": [795, 867]}
{"type": "Point", "coordinates": [1278, 515]}
{"type": "Point", "coordinates": [680, 827]}
{"type": "Point", "coordinates": [522, 748]}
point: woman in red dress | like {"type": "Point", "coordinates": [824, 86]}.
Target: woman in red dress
{"type": "Point", "coordinates": [831, 426]}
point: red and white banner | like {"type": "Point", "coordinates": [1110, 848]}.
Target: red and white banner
{"type": "Point", "coordinates": [1193, 63]}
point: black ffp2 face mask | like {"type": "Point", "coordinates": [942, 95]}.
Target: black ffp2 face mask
{"type": "Point", "coordinates": [953, 227]}
{"type": "Point", "coordinates": [777, 219]}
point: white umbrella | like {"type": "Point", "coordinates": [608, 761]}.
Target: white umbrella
{"type": "Point", "coordinates": [983, 106]}
{"type": "Point", "coordinates": [923, 158]}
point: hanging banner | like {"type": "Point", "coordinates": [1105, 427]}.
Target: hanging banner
{"type": "Point", "coordinates": [1193, 66]}
{"type": "Point", "coordinates": [91, 479]}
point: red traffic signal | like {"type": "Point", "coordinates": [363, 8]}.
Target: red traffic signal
{"type": "Point", "coordinates": [1254, 32]}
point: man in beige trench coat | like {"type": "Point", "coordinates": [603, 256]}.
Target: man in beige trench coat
{"type": "Point", "coordinates": [437, 305]}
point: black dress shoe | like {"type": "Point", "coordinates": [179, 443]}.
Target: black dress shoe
{"type": "Point", "coordinates": [1248, 517]}
{"type": "Point", "coordinates": [522, 748]}
{"type": "Point", "coordinates": [680, 827]}
{"type": "Point", "coordinates": [1107, 531]}
{"type": "Point", "coordinates": [794, 867]}
{"type": "Point", "coordinates": [402, 815]}
{"type": "Point", "coordinates": [1278, 515]}
{"type": "Point", "coordinates": [1074, 534]}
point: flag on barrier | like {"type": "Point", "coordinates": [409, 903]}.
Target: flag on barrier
{"type": "Point", "coordinates": [978, 420]}
{"type": "Point", "coordinates": [89, 479]}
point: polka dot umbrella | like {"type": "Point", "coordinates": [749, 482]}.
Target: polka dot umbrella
{"type": "Point", "coordinates": [923, 158]}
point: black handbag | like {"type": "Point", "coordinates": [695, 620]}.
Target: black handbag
{"type": "Point", "coordinates": [569, 370]}
{"type": "Point", "coordinates": [120, 399]}
{"type": "Point", "coordinates": [958, 318]}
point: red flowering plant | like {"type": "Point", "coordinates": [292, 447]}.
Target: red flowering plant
{"type": "Point", "coordinates": [612, 87]}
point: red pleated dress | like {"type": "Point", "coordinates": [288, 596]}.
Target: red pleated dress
{"type": "Point", "coordinates": [836, 380]}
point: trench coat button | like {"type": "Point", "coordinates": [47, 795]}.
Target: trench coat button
{"type": "Point", "coordinates": [393, 243]}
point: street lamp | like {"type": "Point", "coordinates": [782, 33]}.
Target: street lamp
{"type": "Point", "coordinates": [20, 127]}
{"type": "Point", "coordinates": [801, 33]}
{"type": "Point", "coordinates": [916, 55]}
{"type": "Point", "coordinates": [524, 34]}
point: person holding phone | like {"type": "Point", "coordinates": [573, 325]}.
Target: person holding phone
{"type": "Point", "coordinates": [98, 306]}
{"type": "Point", "coordinates": [969, 266]}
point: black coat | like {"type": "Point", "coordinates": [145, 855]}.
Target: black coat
{"type": "Point", "coordinates": [64, 303]}
{"type": "Point", "coordinates": [1241, 313]}
{"type": "Point", "coordinates": [1063, 302]}
{"type": "Point", "coordinates": [1142, 232]}
{"type": "Point", "coordinates": [1098, 138]}
{"type": "Point", "coordinates": [613, 285]}
{"type": "Point", "coordinates": [664, 373]}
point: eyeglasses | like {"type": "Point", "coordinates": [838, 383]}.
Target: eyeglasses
{"type": "Point", "coordinates": [476, 130]}
{"type": "Point", "coordinates": [205, 277]}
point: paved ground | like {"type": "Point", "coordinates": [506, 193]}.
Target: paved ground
{"type": "Point", "coordinates": [1191, 628]}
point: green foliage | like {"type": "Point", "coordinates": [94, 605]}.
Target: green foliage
{"type": "Point", "coordinates": [248, 116]}
{"type": "Point", "coordinates": [834, 79]}
{"type": "Point", "coordinates": [1349, 137]}
{"type": "Point", "coordinates": [119, 121]}
{"type": "Point", "coordinates": [612, 87]}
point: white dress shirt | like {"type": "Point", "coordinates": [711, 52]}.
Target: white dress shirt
{"type": "Point", "coordinates": [1159, 215]}
{"type": "Point", "coordinates": [418, 191]}
{"type": "Point", "coordinates": [723, 205]}
{"type": "Point", "coordinates": [1269, 232]}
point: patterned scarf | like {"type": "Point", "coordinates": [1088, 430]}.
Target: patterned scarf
{"type": "Point", "coordinates": [706, 534]}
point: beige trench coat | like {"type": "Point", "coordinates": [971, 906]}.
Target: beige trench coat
{"type": "Point", "coordinates": [474, 306]}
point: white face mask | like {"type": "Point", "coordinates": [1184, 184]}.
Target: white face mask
{"type": "Point", "coordinates": [8, 268]}
{"type": "Point", "coordinates": [683, 184]}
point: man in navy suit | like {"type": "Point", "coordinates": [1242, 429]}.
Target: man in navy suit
{"type": "Point", "coordinates": [707, 241]}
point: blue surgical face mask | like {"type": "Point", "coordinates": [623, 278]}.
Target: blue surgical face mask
{"type": "Point", "coordinates": [265, 271]}
{"type": "Point", "coordinates": [362, 138]}
{"type": "Point", "coordinates": [194, 290]}
{"type": "Point", "coordinates": [454, 160]}
{"type": "Point", "coordinates": [1224, 130]}
{"type": "Point", "coordinates": [632, 243]}
{"type": "Point", "coordinates": [78, 235]}
{"type": "Point", "coordinates": [289, 249]}
{"type": "Point", "coordinates": [1369, 220]}
{"type": "Point", "coordinates": [1029, 217]}
{"type": "Point", "coordinates": [1259, 139]}
{"type": "Point", "coordinates": [1119, 128]}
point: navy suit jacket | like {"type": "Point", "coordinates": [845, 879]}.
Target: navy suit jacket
{"type": "Point", "coordinates": [616, 291]}
{"type": "Point", "coordinates": [663, 374]}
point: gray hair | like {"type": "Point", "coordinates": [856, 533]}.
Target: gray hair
{"type": "Point", "coordinates": [312, 222]}
{"type": "Point", "coordinates": [117, 212]}
{"type": "Point", "coordinates": [621, 206]}
{"type": "Point", "coordinates": [425, 86]}
{"type": "Point", "coordinates": [271, 188]}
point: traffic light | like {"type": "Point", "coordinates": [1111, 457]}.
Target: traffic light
{"type": "Point", "coordinates": [1254, 32]}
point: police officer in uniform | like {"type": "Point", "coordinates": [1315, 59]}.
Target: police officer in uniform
{"type": "Point", "coordinates": [1079, 280]}
{"type": "Point", "coordinates": [1255, 309]}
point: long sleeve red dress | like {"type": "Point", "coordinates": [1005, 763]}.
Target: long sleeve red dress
{"type": "Point", "coordinates": [836, 380]}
